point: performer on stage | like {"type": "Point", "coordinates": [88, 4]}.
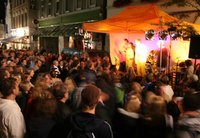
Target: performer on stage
{"type": "Point", "coordinates": [122, 49]}
{"type": "Point", "coordinates": [130, 56]}
{"type": "Point", "coordinates": [140, 57]}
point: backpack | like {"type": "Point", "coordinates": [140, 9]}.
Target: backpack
{"type": "Point", "coordinates": [80, 134]}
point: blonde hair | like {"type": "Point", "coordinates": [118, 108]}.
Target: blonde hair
{"type": "Point", "coordinates": [157, 106]}
{"type": "Point", "coordinates": [133, 104]}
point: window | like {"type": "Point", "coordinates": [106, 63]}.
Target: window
{"type": "Point", "coordinates": [78, 4]}
{"type": "Point", "coordinates": [57, 6]}
{"type": "Point", "coordinates": [92, 3]}
{"type": "Point", "coordinates": [42, 12]}
{"type": "Point", "coordinates": [14, 22]}
{"type": "Point", "coordinates": [49, 9]}
{"type": "Point", "coordinates": [42, 3]}
{"type": "Point", "coordinates": [26, 19]}
{"type": "Point", "coordinates": [33, 4]}
{"type": "Point", "coordinates": [23, 21]}
{"type": "Point", "coordinates": [67, 5]}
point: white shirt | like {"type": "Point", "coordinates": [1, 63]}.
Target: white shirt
{"type": "Point", "coordinates": [12, 124]}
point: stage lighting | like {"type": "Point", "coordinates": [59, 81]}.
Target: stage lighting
{"type": "Point", "coordinates": [176, 34]}
{"type": "Point", "coordinates": [186, 36]}
{"type": "Point", "coordinates": [149, 35]}
{"type": "Point", "coordinates": [163, 35]}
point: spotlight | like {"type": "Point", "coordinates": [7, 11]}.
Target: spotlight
{"type": "Point", "coordinates": [163, 35]}
{"type": "Point", "coordinates": [149, 35]}
{"type": "Point", "coordinates": [186, 36]}
{"type": "Point", "coordinates": [176, 34]}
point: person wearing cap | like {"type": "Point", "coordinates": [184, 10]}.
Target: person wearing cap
{"type": "Point", "coordinates": [86, 120]}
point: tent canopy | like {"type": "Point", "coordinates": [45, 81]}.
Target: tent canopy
{"type": "Point", "coordinates": [136, 19]}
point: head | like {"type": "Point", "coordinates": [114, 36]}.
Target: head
{"type": "Point", "coordinates": [157, 106]}
{"type": "Point", "coordinates": [188, 62]}
{"type": "Point", "coordinates": [165, 79]}
{"type": "Point", "coordinates": [190, 102]}
{"type": "Point", "coordinates": [26, 86]}
{"type": "Point", "coordinates": [135, 86]}
{"type": "Point", "coordinates": [60, 91]}
{"type": "Point", "coordinates": [133, 104]}
{"type": "Point", "coordinates": [90, 96]}
{"type": "Point", "coordinates": [55, 63]}
{"type": "Point", "coordinates": [10, 87]}
{"type": "Point", "coordinates": [70, 83]}
{"type": "Point", "coordinates": [150, 77]}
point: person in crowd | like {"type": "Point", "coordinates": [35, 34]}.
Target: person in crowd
{"type": "Point", "coordinates": [12, 124]}
{"type": "Point", "coordinates": [119, 89]}
{"type": "Point", "coordinates": [41, 111]}
{"type": "Point", "coordinates": [188, 72]}
{"type": "Point", "coordinates": [45, 78]}
{"type": "Point", "coordinates": [18, 69]}
{"type": "Point", "coordinates": [86, 120]}
{"type": "Point", "coordinates": [188, 125]}
{"type": "Point", "coordinates": [30, 74]}
{"type": "Point", "coordinates": [55, 67]}
{"type": "Point", "coordinates": [127, 119]}
{"type": "Point", "coordinates": [164, 89]}
{"type": "Point", "coordinates": [149, 82]}
{"type": "Point", "coordinates": [61, 93]}
{"type": "Point", "coordinates": [106, 67]}
{"type": "Point", "coordinates": [76, 95]}
{"type": "Point", "coordinates": [89, 72]}
{"type": "Point", "coordinates": [156, 123]}
{"type": "Point", "coordinates": [38, 64]}
{"type": "Point", "coordinates": [189, 67]}
{"type": "Point", "coordinates": [4, 73]}
{"type": "Point", "coordinates": [108, 108]}
{"type": "Point", "coordinates": [135, 89]}
{"type": "Point", "coordinates": [22, 98]}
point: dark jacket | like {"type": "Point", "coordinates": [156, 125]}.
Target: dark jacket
{"type": "Point", "coordinates": [62, 112]}
{"type": "Point", "coordinates": [126, 124]}
{"type": "Point", "coordinates": [90, 123]}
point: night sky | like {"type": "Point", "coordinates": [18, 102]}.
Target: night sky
{"type": "Point", "coordinates": [2, 10]}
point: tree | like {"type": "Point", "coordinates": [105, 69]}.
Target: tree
{"type": "Point", "coordinates": [183, 3]}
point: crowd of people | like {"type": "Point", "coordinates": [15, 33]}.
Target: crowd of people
{"type": "Point", "coordinates": [46, 95]}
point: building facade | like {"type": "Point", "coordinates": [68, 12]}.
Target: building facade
{"type": "Point", "coordinates": [59, 24]}
{"type": "Point", "coordinates": [19, 23]}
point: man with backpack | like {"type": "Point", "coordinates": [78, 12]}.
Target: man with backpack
{"type": "Point", "coordinates": [85, 124]}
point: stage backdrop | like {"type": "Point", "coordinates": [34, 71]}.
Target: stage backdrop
{"type": "Point", "coordinates": [178, 49]}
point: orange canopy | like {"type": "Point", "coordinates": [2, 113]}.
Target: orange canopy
{"type": "Point", "coordinates": [135, 19]}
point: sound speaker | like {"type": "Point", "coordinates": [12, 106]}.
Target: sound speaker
{"type": "Point", "coordinates": [194, 50]}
